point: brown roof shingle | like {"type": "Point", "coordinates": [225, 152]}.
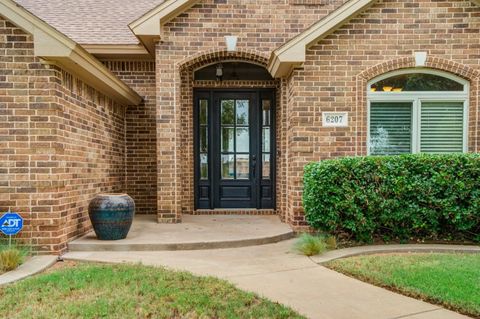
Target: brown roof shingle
{"type": "Point", "coordinates": [92, 21]}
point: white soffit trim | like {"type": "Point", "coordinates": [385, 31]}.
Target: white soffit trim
{"type": "Point", "coordinates": [116, 51]}
{"type": "Point", "coordinates": [148, 27]}
{"type": "Point", "coordinates": [292, 53]}
{"type": "Point", "coordinates": [53, 46]}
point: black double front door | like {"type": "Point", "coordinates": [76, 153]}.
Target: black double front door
{"type": "Point", "coordinates": [234, 149]}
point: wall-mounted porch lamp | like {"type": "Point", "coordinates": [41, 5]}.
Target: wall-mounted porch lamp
{"type": "Point", "coordinates": [219, 72]}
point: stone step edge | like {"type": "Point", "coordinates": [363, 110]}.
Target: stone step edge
{"type": "Point", "coordinates": [247, 212]}
{"type": "Point", "coordinates": [75, 247]}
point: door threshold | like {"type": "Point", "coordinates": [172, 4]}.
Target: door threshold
{"type": "Point", "coordinates": [234, 211]}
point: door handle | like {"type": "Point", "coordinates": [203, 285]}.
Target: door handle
{"type": "Point", "coordinates": [254, 165]}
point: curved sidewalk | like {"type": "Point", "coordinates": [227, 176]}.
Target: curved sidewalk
{"type": "Point", "coordinates": [280, 275]}
{"type": "Point", "coordinates": [31, 267]}
{"type": "Point", "coordinates": [380, 249]}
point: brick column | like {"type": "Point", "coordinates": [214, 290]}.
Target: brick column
{"type": "Point", "coordinates": [168, 137]}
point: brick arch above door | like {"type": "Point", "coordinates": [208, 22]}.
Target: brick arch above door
{"type": "Point", "coordinates": [211, 56]}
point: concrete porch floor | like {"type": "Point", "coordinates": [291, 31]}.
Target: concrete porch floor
{"type": "Point", "coordinates": [195, 232]}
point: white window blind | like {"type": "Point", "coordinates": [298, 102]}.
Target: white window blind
{"type": "Point", "coordinates": [441, 128]}
{"type": "Point", "coordinates": [390, 128]}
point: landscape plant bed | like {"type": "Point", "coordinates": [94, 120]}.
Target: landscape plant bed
{"type": "Point", "coordinates": [451, 280]}
{"type": "Point", "coordinates": [131, 291]}
{"type": "Point", "coordinates": [346, 243]}
{"type": "Point", "coordinates": [420, 196]}
{"type": "Point", "coordinates": [12, 256]}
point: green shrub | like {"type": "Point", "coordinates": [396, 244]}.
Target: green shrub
{"type": "Point", "coordinates": [10, 259]}
{"type": "Point", "coordinates": [310, 245]}
{"type": "Point", "coordinates": [395, 197]}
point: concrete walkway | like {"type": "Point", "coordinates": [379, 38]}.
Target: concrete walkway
{"type": "Point", "coordinates": [32, 266]}
{"type": "Point", "coordinates": [280, 275]}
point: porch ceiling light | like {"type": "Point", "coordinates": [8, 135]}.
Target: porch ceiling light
{"type": "Point", "coordinates": [219, 72]}
{"type": "Point", "coordinates": [231, 42]}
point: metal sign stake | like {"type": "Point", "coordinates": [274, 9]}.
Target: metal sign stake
{"type": "Point", "coordinates": [9, 236]}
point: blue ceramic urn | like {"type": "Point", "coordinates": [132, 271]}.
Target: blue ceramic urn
{"type": "Point", "coordinates": [111, 215]}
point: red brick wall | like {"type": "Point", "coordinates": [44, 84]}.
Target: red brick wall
{"type": "Point", "coordinates": [91, 138]}
{"type": "Point", "coordinates": [141, 134]}
{"type": "Point", "coordinates": [382, 39]}
{"type": "Point", "coordinates": [27, 137]}
{"type": "Point", "coordinates": [61, 142]}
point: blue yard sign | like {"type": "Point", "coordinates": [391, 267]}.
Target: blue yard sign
{"type": "Point", "coordinates": [11, 224]}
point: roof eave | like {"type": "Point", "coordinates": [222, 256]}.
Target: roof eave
{"type": "Point", "coordinates": [281, 65]}
{"type": "Point", "coordinates": [80, 63]}
{"type": "Point", "coordinates": [53, 46]}
{"type": "Point", "coordinates": [147, 28]}
{"type": "Point", "coordinates": [148, 41]}
{"type": "Point", "coordinates": [118, 51]}
{"type": "Point", "coordinates": [292, 54]}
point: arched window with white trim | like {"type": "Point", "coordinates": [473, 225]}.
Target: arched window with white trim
{"type": "Point", "coordinates": [417, 111]}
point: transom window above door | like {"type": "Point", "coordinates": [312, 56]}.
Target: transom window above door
{"type": "Point", "coordinates": [412, 111]}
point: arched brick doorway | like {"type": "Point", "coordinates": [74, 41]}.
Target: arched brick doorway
{"type": "Point", "coordinates": [250, 89]}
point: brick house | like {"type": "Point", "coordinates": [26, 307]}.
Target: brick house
{"type": "Point", "coordinates": [215, 106]}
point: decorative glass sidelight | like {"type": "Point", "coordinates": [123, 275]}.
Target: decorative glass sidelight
{"type": "Point", "coordinates": [203, 120]}
{"type": "Point", "coordinates": [266, 138]}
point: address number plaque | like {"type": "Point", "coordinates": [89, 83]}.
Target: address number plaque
{"type": "Point", "coordinates": [335, 119]}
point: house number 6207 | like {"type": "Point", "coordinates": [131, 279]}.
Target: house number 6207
{"type": "Point", "coordinates": [332, 119]}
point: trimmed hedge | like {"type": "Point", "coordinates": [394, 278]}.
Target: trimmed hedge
{"type": "Point", "coordinates": [395, 197]}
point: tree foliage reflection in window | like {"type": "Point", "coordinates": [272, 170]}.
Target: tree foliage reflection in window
{"type": "Point", "coordinates": [416, 82]}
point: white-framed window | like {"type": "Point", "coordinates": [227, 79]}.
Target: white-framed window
{"type": "Point", "coordinates": [417, 111]}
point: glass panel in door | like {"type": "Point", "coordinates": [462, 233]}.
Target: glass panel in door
{"type": "Point", "coordinates": [235, 139]}
{"type": "Point", "coordinates": [235, 150]}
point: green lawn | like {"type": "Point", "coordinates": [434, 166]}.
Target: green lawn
{"type": "Point", "coordinates": [131, 291]}
{"type": "Point", "coordinates": [452, 280]}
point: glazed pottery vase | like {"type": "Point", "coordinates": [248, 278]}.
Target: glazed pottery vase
{"type": "Point", "coordinates": [111, 215]}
